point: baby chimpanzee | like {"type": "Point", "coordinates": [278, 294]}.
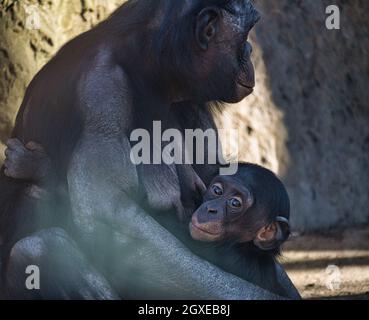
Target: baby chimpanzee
{"type": "Point", "coordinates": [250, 207]}
{"type": "Point", "coordinates": [248, 213]}
{"type": "Point", "coordinates": [243, 219]}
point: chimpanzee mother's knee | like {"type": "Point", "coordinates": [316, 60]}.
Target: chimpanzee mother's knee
{"type": "Point", "coordinates": [49, 265]}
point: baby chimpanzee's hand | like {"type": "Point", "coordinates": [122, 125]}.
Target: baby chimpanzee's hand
{"type": "Point", "coordinates": [26, 162]}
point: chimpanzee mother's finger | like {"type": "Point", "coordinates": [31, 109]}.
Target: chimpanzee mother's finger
{"type": "Point", "coordinates": [14, 144]}
{"type": "Point", "coordinates": [34, 146]}
{"type": "Point", "coordinates": [7, 152]}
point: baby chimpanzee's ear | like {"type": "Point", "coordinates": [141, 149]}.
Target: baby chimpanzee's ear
{"type": "Point", "coordinates": [273, 236]}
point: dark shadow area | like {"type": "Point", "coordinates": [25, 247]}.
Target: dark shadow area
{"type": "Point", "coordinates": [364, 296]}
{"type": "Point", "coordinates": [323, 263]}
{"type": "Point", "coordinates": [351, 239]}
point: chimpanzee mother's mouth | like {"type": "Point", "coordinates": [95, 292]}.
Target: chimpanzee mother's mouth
{"type": "Point", "coordinates": [245, 89]}
{"type": "Point", "coordinates": [248, 86]}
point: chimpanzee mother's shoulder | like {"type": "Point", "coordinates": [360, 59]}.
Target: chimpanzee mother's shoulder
{"type": "Point", "coordinates": [104, 85]}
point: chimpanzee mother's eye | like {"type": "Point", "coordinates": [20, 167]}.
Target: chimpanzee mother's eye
{"type": "Point", "coordinates": [217, 189]}
{"type": "Point", "coordinates": [235, 203]}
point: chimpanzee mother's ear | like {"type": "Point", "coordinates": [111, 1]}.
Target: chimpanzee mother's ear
{"type": "Point", "coordinates": [273, 236]}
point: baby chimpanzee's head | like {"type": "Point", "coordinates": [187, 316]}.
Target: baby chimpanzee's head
{"type": "Point", "coordinates": [250, 206]}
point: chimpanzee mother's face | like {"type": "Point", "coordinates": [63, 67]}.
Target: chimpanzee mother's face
{"type": "Point", "coordinates": [226, 53]}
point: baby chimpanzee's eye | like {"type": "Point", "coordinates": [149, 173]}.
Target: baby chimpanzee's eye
{"type": "Point", "coordinates": [217, 189]}
{"type": "Point", "coordinates": [235, 203]}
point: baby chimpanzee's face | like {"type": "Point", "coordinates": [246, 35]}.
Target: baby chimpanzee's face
{"type": "Point", "coordinates": [226, 203]}
{"type": "Point", "coordinates": [250, 206]}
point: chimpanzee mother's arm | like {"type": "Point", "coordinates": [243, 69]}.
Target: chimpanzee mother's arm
{"type": "Point", "coordinates": [146, 261]}
{"type": "Point", "coordinates": [142, 259]}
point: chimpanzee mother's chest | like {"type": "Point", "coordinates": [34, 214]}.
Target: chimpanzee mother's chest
{"type": "Point", "coordinates": [167, 179]}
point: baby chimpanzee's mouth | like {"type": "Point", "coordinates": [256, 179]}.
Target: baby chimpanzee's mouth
{"type": "Point", "coordinates": [193, 225]}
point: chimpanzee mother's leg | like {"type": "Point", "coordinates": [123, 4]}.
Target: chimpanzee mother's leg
{"type": "Point", "coordinates": [64, 272]}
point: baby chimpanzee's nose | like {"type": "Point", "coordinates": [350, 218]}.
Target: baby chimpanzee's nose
{"type": "Point", "coordinates": [212, 210]}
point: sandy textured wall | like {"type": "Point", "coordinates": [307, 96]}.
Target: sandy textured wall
{"type": "Point", "coordinates": [308, 119]}
{"type": "Point", "coordinates": [23, 51]}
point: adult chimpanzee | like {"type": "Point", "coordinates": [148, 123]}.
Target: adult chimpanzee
{"type": "Point", "coordinates": [244, 217]}
{"type": "Point", "coordinates": [151, 60]}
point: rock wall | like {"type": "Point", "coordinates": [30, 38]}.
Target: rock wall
{"type": "Point", "coordinates": [308, 119]}
{"type": "Point", "coordinates": [24, 50]}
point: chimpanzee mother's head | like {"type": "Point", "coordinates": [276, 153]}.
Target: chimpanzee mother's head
{"type": "Point", "coordinates": [203, 48]}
